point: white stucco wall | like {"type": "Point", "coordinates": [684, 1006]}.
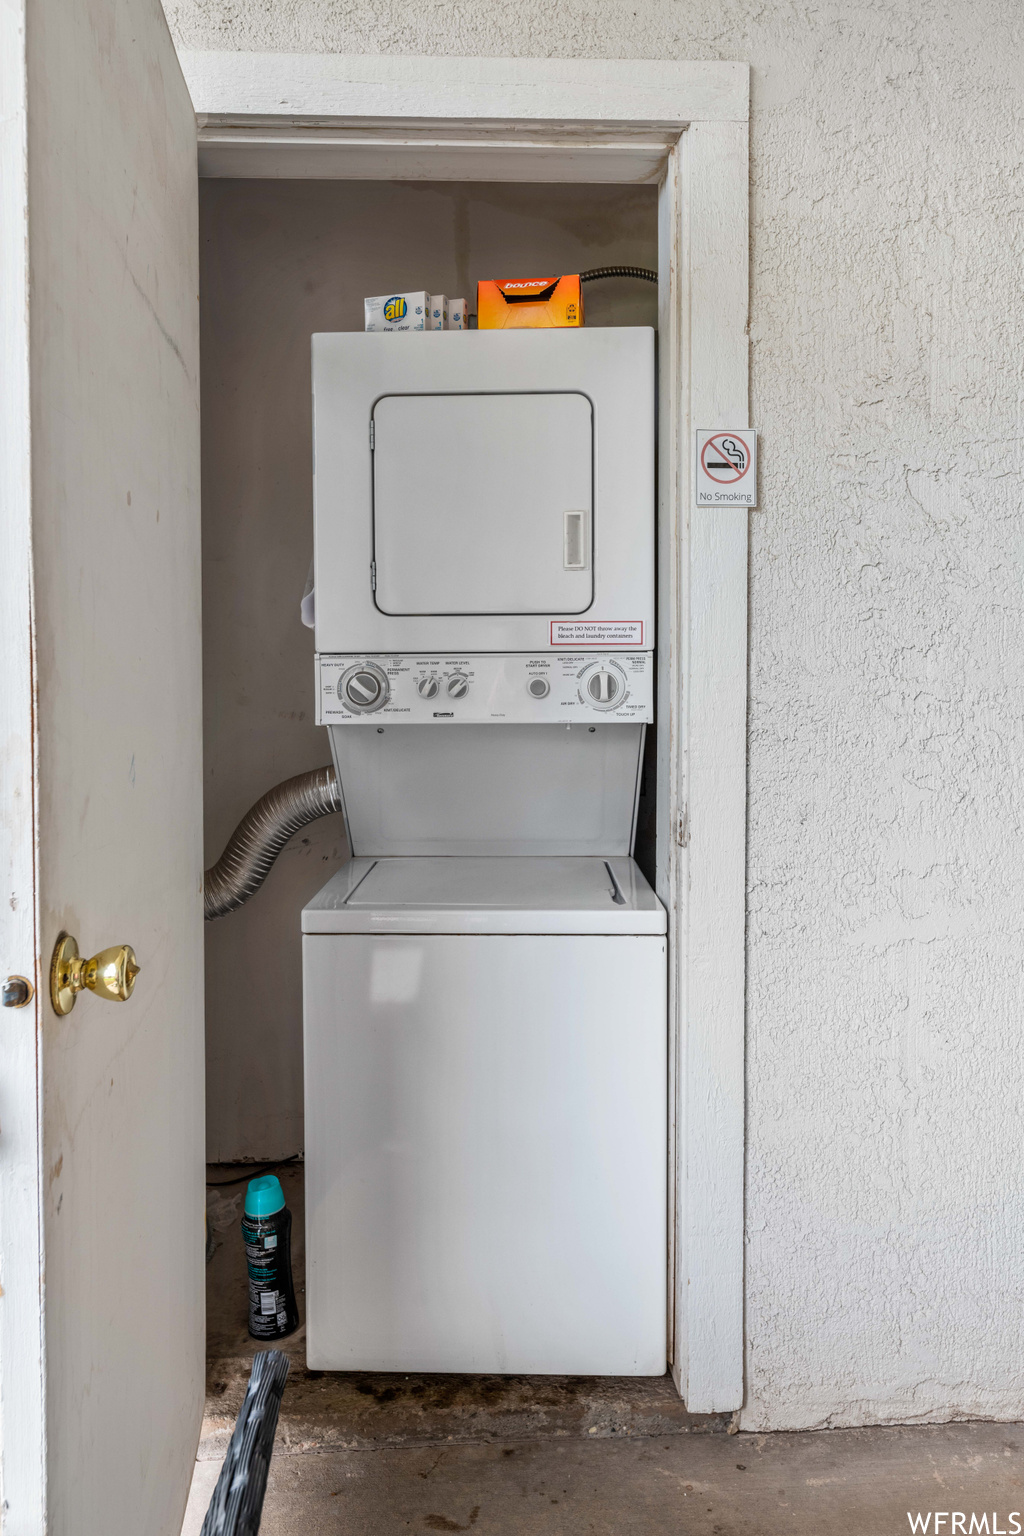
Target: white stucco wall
{"type": "Point", "coordinates": [885, 1264]}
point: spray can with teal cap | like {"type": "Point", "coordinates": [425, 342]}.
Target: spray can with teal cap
{"type": "Point", "coordinates": [267, 1231]}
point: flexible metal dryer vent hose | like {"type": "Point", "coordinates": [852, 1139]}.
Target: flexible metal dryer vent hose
{"type": "Point", "coordinates": [262, 833]}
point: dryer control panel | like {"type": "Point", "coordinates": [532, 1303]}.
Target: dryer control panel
{"type": "Point", "coordinates": [527, 689]}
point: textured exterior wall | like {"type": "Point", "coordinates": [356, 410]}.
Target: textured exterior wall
{"type": "Point", "coordinates": [885, 1220]}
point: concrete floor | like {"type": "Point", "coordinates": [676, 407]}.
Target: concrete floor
{"type": "Point", "coordinates": [514, 1456]}
{"type": "Point", "coordinates": [844, 1482]}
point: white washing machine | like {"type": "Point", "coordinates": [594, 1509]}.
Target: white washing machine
{"type": "Point", "coordinates": [484, 984]}
{"type": "Point", "coordinates": [486, 1117]}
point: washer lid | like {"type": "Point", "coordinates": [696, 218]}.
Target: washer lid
{"type": "Point", "coordinates": [486, 895]}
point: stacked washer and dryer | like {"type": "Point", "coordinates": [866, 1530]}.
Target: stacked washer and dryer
{"type": "Point", "coordinates": [485, 981]}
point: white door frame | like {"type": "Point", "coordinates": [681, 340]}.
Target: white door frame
{"type": "Point", "coordinates": [685, 127]}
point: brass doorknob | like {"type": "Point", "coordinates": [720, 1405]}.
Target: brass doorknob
{"type": "Point", "coordinates": [110, 974]}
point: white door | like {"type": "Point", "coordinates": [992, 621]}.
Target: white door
{"type": "Point", "coordinates": [101, 1131]}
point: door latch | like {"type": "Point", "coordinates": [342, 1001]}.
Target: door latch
{"type": "Point", "coordinates": [17, 991]}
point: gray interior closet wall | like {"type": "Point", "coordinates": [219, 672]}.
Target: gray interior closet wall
{"type": "Point", "coordinates": [281, 260]}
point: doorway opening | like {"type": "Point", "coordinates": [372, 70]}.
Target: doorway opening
{"type": "Point", "coordinates": [283, 259]}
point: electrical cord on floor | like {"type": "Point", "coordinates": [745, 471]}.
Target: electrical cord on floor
{"type": "Point", "coordinates": [253, 1171]}
{"type": "Point", "coordinates": [644, 273]}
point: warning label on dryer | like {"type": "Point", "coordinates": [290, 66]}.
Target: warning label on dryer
{"type": "Point", "coordinates": [606, 633]}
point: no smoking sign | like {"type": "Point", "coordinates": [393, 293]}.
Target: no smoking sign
{"type": "Point", "coordinates": [725, 468]}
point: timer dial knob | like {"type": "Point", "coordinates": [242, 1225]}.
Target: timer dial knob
{"type": "Point", "coordinates": [427, 687]}
{"type": "Point", "coordinates": [363, 688]}
{"type": "Point", "coordinates": [458, 686]}
{"type": "Point", "coordinates": [603, 688]}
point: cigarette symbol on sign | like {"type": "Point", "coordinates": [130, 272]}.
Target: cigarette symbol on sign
{"type": "Point", "coordinates": [735, 456]}
{"type": "Point", "coordinates": [724, 459]}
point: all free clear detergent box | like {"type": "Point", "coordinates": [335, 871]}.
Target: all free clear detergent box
{"type": "Point", "coordinates": [507, 304]}
{"type": "Point", "coordinates": [435, 311]}
{"type": "Point", "coordinates": [397, 312]}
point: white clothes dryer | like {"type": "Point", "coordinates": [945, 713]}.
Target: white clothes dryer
{"type": "Point", "coordinates": [486, 1101]}
{"type": "Point", "coordinates": [489, 491]}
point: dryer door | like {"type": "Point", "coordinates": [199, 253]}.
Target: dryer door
{"type": "Point", "coordinates": [483, 503]}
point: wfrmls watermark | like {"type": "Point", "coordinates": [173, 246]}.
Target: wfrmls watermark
{"type": "Point", "coordinates": [959, 1522]}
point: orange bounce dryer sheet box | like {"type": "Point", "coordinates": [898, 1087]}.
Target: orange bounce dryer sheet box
{"type": "Point", "coordinates": [518, 304]}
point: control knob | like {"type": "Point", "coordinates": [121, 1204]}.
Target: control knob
{"type": "Point", "coordinates": [458, 685]}
{"type": "Point", "coordinates": [538, 687]}
{"type": "Point", "coordinates": [363, 688]}
{"type": "Point", "coordinates": [603, 688]}
{"type": "Point", "coordinates": [427, 687]}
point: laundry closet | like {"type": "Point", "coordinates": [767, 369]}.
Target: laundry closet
{"type": "Point", "coordinates": [495, 763]}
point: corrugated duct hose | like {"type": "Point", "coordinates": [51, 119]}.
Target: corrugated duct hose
{"type": "Point", "coordinates": [262, 833]}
